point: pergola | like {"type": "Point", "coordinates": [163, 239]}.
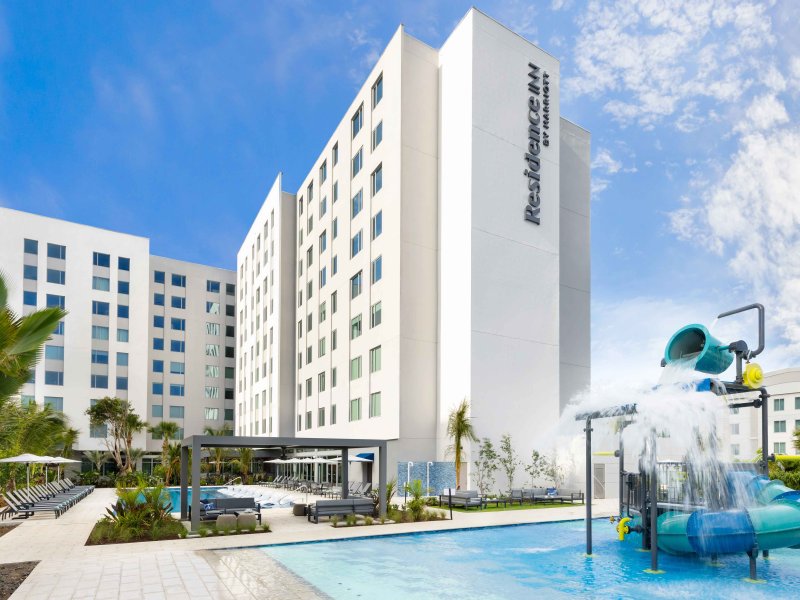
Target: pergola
{"type": "Point", "coordinates": [198, 442]}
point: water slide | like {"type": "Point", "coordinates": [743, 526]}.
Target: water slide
{"type": "Point", "coordinates": [771, 521]}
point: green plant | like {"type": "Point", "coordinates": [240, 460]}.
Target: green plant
{"type": "Point", "coordinates": [460, 430]}
{"type": "Point", "coordinates": [538, 466]}
{"type": "Point", "coordinates": [238, 528]}
{"type": "Point", "coordinates": [203, 531]}
{"type": "Point", "coordinates": [350, 520]}
{"type": "Point", "coordinates": [382, 520]}
{"type": "Point", "coordinates": [508, 459]}
{"type": "Point", "coordinates": [251, 528]}
{"type": "Point", "coordinates": [265, 527]}
{"type": "Point", "coordinates": [335, 520]}
{"type": "Point", "coordinates": [486, 466]}
{"type": "Point", "coordinates": [183, 534]}
{"type": "Point", "coordinates": [166, 430]}
{"type": "Point", "coordinates": [391, 490]}
{"type": "Point", "coordinates": [121, 423]}
{"type": "Point", "coordinates": [368, 520]}
{"type": "Point", "coordinates": [416, 506]}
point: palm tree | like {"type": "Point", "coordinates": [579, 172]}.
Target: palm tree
{"type": "Point", "coordinates": [172, 463]}
{"type": "Point", "coordinates": [166, 430]}
{"type": "Point", "coordinates": [243, 462]}
{"type": "Point", "coordinates": [97, 458]}
{"type": "Point", "coordinates": [21, 341]}
{"type": "Point", "coordinates": [134, 455]}
{"type": "Point", "coordinates": [133, 425]}
{"type": "Point", "coordinates": [459, 429]}
{"type": "Point", "coordinates": [218, 453]}
{"type": "Point", "coordinates": [68, 439]}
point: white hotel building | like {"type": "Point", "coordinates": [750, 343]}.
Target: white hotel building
{"type": "Point", "coordinates": [437, 249]}
{"type": "Point", "coordinates": [155, 331]}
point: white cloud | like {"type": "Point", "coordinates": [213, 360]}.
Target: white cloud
{"type": "Point", "coordinates": [752, 217]}
{"type": "Point", "coordinates": [599, 184]}
{"type": "Point", "coordinates": [519, 16]}
{"type": "Point", "coordinates": [764, 112]}
{"type": "Point", "coordinates": [660, 56]}
{"type": "Point", "coordinates": [603, 161]}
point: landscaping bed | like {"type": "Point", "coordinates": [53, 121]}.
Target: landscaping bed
{"type": "Point", "coordinates": [4, 529]}
{"type": "Point", "coordinates": [14, 574]}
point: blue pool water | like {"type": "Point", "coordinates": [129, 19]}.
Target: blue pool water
{"type": "Point", "coordinates": [514, 562]}
{"type": "Point", "coordinates": [205, 492]}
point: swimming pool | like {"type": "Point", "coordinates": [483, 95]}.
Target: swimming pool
{"type": "Point", "coordinates": [514, 562]}
{"type": "Point", "coordinates": [206, 492]}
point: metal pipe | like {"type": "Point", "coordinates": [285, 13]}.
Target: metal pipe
{"type": "Point", "coordinates": [621, 472]}
{"type": "Point", "coordinates": [588, 431]}
{"type": "Point", "coordinates": [654, 511]}
{"type": "Point", "coordinates": [761, 328]}
{"type": "Point", "coordinates": [765, 430]}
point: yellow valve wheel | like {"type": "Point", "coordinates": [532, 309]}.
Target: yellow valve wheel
{"type": "Point", "coordinates": [753, 376]}
{"type": "Point", "coordinates": [623, 529]}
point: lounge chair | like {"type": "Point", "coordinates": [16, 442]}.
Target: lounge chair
{"type": "Point", "coordinates": [23, 512]}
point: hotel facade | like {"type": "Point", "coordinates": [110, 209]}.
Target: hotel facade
{"type": "Point", "coordinates": [436, 250]}
{"type": "Point", "coordinates": [154, 331]}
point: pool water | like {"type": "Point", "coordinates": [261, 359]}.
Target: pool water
{"type": "Point", "coordinates": [514, 562]}
{"type": "Point", "coordinates": [205, 493]}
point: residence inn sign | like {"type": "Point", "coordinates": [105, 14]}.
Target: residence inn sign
{"type": "Point", "coordinates": [538, 136]}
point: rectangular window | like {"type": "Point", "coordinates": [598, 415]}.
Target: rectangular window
{"type": "Point", "coordinates": [777, 403]}
{"type": "Point", "coordinates": [176, 389]}
{"type": "Point", "coordinates": [356, 244]}
{"type": "Point", "coordinates": [176, 411]}
{"type": "Point", "coordinates": [157, 410]}
{"type": "Point", "coordinates": [229, 414]}
{"type": "Point", "coordinates": [123, 311]}
{"type": "Point", "coordinates": [375, 315]}
{"type": "Point", "coordinates": [178, 302]}
{"type": "Point", "coordinates": [377, 180]}
{"type": "Point", "coordinates": [356, 204]}
{"type": "Point", "coordinates": [212, 286]}
{"type": "Point", "coordinates": [377, 224]}
{"type": "Point", "coordinates": [122, 359]}
{"type": "Point", "coordinates": [358, 162]}
{"type": "Point", "coordinates": [99, 332]}
{"type": "Point", "coordinates": [122, 335]}
{"type": "Point", "coordinates": [124, 264]}
{"type": "Point", "coordinates": [212, 328]}
{"type": "Point", "coordinates": [377, 91]}
{"type": "Point", "coordinates": [212, 370]}
{"type": "Point", "coordinates": [355, 327]}
{"type": "Point", "coordinates": [323, 171]}
{"type": "Point", "coordinates": [179, 280]}
{"type": "Point", "coordinates": [323, 277]}
{"type": "Point", "coordinates": [99, 357]}
{"type": "Point", "coordinates": [177, 346]}
{"type": "Point", "coordinates": [99, 381]}
{"type": "Point", "coordinates": [30, 246]}
{"type": "Point", "coordinates": [309, 387]}
{"type": "Point", "coordinates": [333, 303]}
{"type": "Point", "coordinates": [56, 276]}
{"type": "Point", "coordinates": [377, 269]}
{"type": "Point", "coordinates": [177, 368]}
{"type": "Point", "coordinates": [211, 413]}
{"type": "Point", "coordinates": [54, 352]}
{"type": "Point", "coordinates": [212, 308]}
{"type": "Point", "coordinates": [57, 251]}
{"type": "Point", "coordinates": [158, 343]}
{"type": "Point", "coordinates": [230, 331]}
{"type": "Point", "coordinates": [357, 121]}
{"type": "Point", "coordinates": [310, 256]}
{"type": "Point", "coordinates": [230, 289]}
{"type": "Point", "coordinates": [333, 340]}
{"type": "Point", "coordinates": [334, 265]}
{"type": "Point", "coordinates": [355, 409]}
{"type": "Point", "coordinates": [158, 321]}
{"type": "Point", "coordinates": [101, 260]}
{"type": "Point", "coordinates": [780, 447]}
{"type": "Point", "coordinates": [212, 349]}
{"type": "Point", "coordinates": [321, 416]}
{"type": "Point", "coordinates": [59, 330]}
{"type": "Point", "coordinates": [355, 368]}
{"type": "Point", "coordinates": [122, 383]}
{"type": "Point", "coordinates": [29, 298]}
{"type": "Point", "coordinates": [779, 427]}
{"type": "Point", "coordinates": [178, 324]}
{"type": "Point", "coordinates": [299, 422]}
{"type": "Point", "coordinates": [734, 428]}
{"type": "Point", "coordinates": [355, 285]}
{"type": "Point", "coordinates": [335, 191]}
{"type": "Point", "coordinates": [102, 284]}
{"type": "Point", "coordinates": [230, 372]}
{"type": "Point", "coordinates": [100, 308]}
{"type": "Point", "coordinates": [323, 241]}
{"type": "Point", "coordinates": [321, 347]}
{"type": "Point", "coordinates": [375, 360]}
{"type": "Point", "coordinates": [158, 299]}
{"type": "Point", "coordinates": [333, 414]}
{"type": "Point", "coordinates": [100, 431]}
{"type": "Point", "coordinates": [308, 420]}
{"type": "Point", "coordinates": [797, 403]}
{"type": "Point", "coordinates": [30, 272]}
{"type": "Point", "coordinates": [124, 287]}
{"type": "Point", "coordinates": [158, 366]}
{"type": "Point", "coordinates": [158, 276]}
{"type": "Point", "coordinates": [52, 300]}
{"type": "Point", "coordinates": [230, 310]}
{"type": "Point", "coordinates": [375, 404]}
{"type": "Point", "coordinates": [333, 377]}
{"type": "Point", "coordinates": [735, 449]}
{"type": "Point", "coordinates": [212, 392]}
{"type": "Point", "coordinates": [377, 135]}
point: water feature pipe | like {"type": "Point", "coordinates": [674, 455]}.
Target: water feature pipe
{"type": "Point", "coordinates": [428, 478]}
{"type": "Point", "coordinates": [588, 430]}
{"type": "Point", "coordinates": [408, 480]}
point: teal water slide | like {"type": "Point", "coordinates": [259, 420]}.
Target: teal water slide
{"type": "Point", "coordinates": [771, 520]}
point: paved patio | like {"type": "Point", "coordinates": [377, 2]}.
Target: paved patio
{"type": "Point", "coordinates": [199, 567]}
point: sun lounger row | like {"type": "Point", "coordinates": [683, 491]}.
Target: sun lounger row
{"type": "Point", "coordinates": [56, 497]}
{"type": "Point", "coordinates": [355, 488]}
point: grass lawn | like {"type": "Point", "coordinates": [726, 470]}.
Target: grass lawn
{"type": "Point", "coordinates": [493, 508]}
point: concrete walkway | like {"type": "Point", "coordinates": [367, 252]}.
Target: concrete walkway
{"type": "Point", "coordinates": [192, 568]}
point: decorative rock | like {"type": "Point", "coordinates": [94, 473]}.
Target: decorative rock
{"type": "Point", "coordinates": [226, 522]}
{"type": "Point", "coordinates": [247, 520]}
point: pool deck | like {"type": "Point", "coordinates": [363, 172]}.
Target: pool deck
{"type": "Point", "coordinates": [202, 568]}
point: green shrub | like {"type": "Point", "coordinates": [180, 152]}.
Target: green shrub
{"type": "Point", "coordinates": [265, 527]}
{"type": "Point", "coordinates": [351, 520]}
{"type": "Point", "coordinates": [251, 528]}
{"type": "Point", "coordinates": [335, 520]}
{"type": "Point", "coordinates": [368, 520]}
{"type": "Point", "coordinates": [203, 531]}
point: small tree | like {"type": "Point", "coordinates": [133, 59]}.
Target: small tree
{"type": "Point", "coordinates": [243, 462]}
{"type": "Point", "coordinates": [97, 458]}
{"type": "Point", "coordinates": [121, 422]}
{"type": "Point", "coordinates": [218, 454]}
{"type": "Point", "coordinates": [460, 430]}
{"type": "Point", "coordinates": [555, 472]}
{"type": "Point", "coordinates": [166, 430]}
{"type": "Point", "coordinates": [508, 459]}
{"type": "Point", "coordinates": [537, 467]}
{"type": "Point", "coordinates": [485, 466]}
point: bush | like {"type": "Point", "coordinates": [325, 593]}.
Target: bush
{"type": "Point", "coordinates": [350, 520]}
{"type": "Point", "coordinates": [368, 521]}
{"type": "Point", "coordinates": [335, 520]}
{"type": "Point", "coordinates": [265, 527]}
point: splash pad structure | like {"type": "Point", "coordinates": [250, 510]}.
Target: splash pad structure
{"type": "Point", "coordinates": [698, 504]}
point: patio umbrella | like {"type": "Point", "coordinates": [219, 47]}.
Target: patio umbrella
{"type": "Point", "coordinates": [24, 458]}
{"type": "Point", "coordinates": [45, 460]}
{"type": "Point", "coordinates": [60, 460]}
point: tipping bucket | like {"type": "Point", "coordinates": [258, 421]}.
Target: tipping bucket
{"type": "Point", "coordinates": [694, 343]}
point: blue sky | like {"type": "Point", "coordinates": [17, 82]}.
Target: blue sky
{"type": "Point", "coordinates": [170, 120]}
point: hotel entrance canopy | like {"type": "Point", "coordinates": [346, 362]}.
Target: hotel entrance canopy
{"type": "Point", "coordinates": [198, 442]}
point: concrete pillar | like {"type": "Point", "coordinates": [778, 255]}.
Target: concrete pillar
{"type": "Point", "coordinates": [345, 472]}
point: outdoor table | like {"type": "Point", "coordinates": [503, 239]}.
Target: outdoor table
{"type": "Point", "coordinates": [496, 501]}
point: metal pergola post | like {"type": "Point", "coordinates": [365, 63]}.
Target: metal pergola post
{"type": "Point", "coordinates": [345, 472]}
{"type": "Point", "coordinates": [196, 449]}
{"type": "Point", "coordinates": [588, 431]}
{"type": "Point", "coordinates": [184, 483]}
{"type": "Point", "coordinates": [382, 459]}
